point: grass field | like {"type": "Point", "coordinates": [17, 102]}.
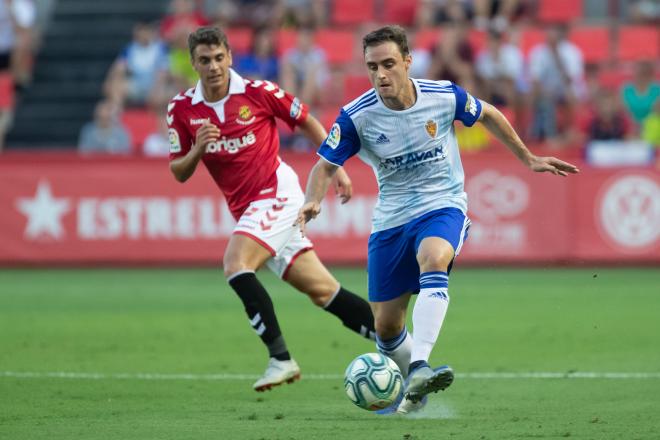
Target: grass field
{"type": "Point", "coordinates": [168, 354]}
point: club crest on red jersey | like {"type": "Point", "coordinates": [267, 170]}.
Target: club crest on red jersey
{"type": "Point", "coordinates": [245, 116]}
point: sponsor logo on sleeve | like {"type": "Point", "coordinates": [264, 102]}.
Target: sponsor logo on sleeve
{"type": "Point", "coordinates": [296, 108]}
{"type": "Point", "coordinates": [175, 143]}
{"type": "Point", "coordinates": [471, 105]}
{"type": "Point", "coordinates": [334, 136]}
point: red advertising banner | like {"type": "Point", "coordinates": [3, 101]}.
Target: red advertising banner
{"type": "Point", "coordinates": [66, 209]}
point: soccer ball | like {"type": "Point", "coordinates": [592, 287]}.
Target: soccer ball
{"type": "Point", "coordinates": [373, 381]}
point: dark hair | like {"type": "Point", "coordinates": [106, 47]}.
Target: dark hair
{"type": "Point", "coordinates": [208, 35]}
{"type": "Point", "coordinates": [394, 33]}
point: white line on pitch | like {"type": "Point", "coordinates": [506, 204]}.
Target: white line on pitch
{"type": "Point", "coordinates": [225, 376]}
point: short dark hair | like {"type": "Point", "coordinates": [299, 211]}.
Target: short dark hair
{"type": "Point", "coordinates": [209, 35]}
{"type": "Point", "coordinates": [394, 33]}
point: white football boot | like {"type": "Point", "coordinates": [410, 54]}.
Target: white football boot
{"type": "Point", "coordinates": [277, 373]}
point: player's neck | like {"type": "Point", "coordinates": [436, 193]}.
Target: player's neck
{"type": "Point", "coordinates": [215, 94]}
{"type": "Point", "coordinates": [404, 100]}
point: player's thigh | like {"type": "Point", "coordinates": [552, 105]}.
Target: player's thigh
{"type": "Point", "coordinates": [310, 276]}
{"type": "Point", "coordinates": [391, 266]}
{"type": "Point", "coordinates": [390, 316]}
{"type": "Point", "coordinates": [439, 237]}
{"type": "Point", "coordinates": [244, 253]}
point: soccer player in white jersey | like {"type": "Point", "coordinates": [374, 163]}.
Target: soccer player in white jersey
{"type": "Point", "coordinates": [403, 128]}
{"type": "Point", "coordinates": [228, 123]}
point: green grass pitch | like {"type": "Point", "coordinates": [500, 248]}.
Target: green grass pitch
{"type": "Point", "coordinates": [168, 354]}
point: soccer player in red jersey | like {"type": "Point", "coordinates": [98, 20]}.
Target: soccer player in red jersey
{"type": "Point", "coordinates": [228, 123]}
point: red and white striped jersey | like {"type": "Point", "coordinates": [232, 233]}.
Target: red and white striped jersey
{"type": "Point", "coordinates": [244, 160]}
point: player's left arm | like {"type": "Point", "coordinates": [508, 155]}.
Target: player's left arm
{"type": "Point", "coordinates": [314, 131]}
{"type": "Point", "coordinates": [500, 127]}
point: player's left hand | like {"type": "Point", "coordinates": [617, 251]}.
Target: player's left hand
{"type": "Point", "coordinates": [343, 185]}
{"type": "Point", "coordinates": [552, 165]}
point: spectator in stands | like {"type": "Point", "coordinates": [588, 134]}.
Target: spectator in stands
{"type": "Point", "coordinates": [609, 121]}
{"type": "Point", "coordinates": [645, 12]}
{"type": "Point", "coordinates": [157, 144]}
{"type": "Point", "coordinates": [640, 95]}
{"type": "Point", "coordinates": [24, 14]}
{"type": "Point", "coordinates": [184, 15]}
{"type": "Point", "coordinates": [651, 126]}
{"type": "Point", "coordinates": [556, 72]}
{"type": "Point", "coordinates": [222, 13]}
{"type": "Point", "coordinates": [7, 43]}
{"type": "Point", "coordinates": [105, 134]}
{"type": "Point", "coordinates": [140, 69]}
{"type": "Point", "coordinates": [432, 12]}
{"type": "Point", "coordinates": [497, 14]}
{"type": "Point", "coordinates": [500, 67]}
{"type": "Point", "coordinates": [303, 13]}
{"type": "Point", "coordinates": [304, 70]}
{"type": "Point", "coordinates": [182, 74]}
{"type": "Point", "coordinates": [262, 61]}
{"type": "Point", "coordinates": [453, 57]}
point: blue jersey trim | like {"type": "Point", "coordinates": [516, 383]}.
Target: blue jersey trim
{"type": "Point", "coordinates": [364, 105]}
{"type": "Point", "coordinates": [361, 100]}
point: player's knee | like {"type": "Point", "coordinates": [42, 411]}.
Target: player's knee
{"type": "Point", "coordinates": [231, 267]}
{"type": "Point", "coordinates": [438, 261]}
{"type": "Point", "coordinates": [320, 293]}
{"type": "Point", "coordinates": [388, 329]}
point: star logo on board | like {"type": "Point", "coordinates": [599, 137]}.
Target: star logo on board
{"type": "Point", "coordinates": [44, 213]}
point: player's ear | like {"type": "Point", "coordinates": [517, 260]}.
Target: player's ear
{"type": "Point", "coordinates": [407, 60]}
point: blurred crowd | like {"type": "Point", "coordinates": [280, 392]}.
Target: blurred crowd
{"type": "Point", "coordinates": [524, 56]}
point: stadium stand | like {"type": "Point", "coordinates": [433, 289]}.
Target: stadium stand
{"type": "Point", "coordinates": [78, 47]}
{"type": "Point", "coordinates": [69, 68]}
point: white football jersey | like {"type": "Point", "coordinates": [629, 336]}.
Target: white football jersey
{"type": "Point", "coordinates": [413, 152]}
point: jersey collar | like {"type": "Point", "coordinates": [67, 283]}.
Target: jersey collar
{"type": "Point", "coordinates": [236, 87]}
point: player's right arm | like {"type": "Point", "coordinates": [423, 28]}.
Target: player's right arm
{"type": "Point", "coordinates": [184, 166]}
{"type": "Point", "coordinates": [342, 143]}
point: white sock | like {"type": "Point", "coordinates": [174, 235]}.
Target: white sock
{"type": "Point", "coordinates": [397, 349]}
{"type": "Point", "coordinates": [429, 313]}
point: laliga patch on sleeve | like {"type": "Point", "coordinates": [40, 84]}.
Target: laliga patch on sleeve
{"type": "Point", "coordinates": [334, 136]}
{"type": "Point", "coordinates": [296, 108]}
{"type": "Point", "coordinates": [175, 144]}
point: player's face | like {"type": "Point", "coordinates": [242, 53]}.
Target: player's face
{"type": "Point", "coordinates": [212, 63]}
{"type": "Point", "coordinates": [388, 70]}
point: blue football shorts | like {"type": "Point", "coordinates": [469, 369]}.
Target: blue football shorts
{"type": "Point", "coordinates": [392, 264]}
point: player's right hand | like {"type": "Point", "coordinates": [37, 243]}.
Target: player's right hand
{"type": "Point", "coordinates": [309, 211]}
{"type": "Point", "coordinates": [206, 134]}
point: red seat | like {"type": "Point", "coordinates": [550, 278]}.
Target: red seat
{"type": "Point", "coordinates": [354, 86]}
{"type": "Point", "coordinates": [338, 45]}
{"type": "Point", "coordinates": [140, 123]}
{"type": "Point", "coordinates": [426, 39]}
{"type": "Point", "coordinates": [399, 11]}
{"type": "Point", "coordinates": [6, 91]}
{"type": "Point", "coordinates": [531, 38]}
{"type": "Point", "coordinates": [614, 79]}
{"type": "Point", "coordinates": [352, 12]}
{"type": "Point", "coordinates": [286, 39]}
{"type": "Point", "coordinates": [559, 10]}
{"type": "Point", "coordinates": [638, 43]}
{"type": "Point", "coordinates": [594, 43]}
{"type": "Point", "coordinates": [240, 39]}
{"type": "Point", "coordinates": [477, 40]}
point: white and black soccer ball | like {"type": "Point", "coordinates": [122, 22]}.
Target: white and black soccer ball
{"type": "Point", "coordinates": [373, 381]}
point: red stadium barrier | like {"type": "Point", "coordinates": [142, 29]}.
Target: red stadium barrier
{"type": "Point", "coordinates": [65, 209]}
